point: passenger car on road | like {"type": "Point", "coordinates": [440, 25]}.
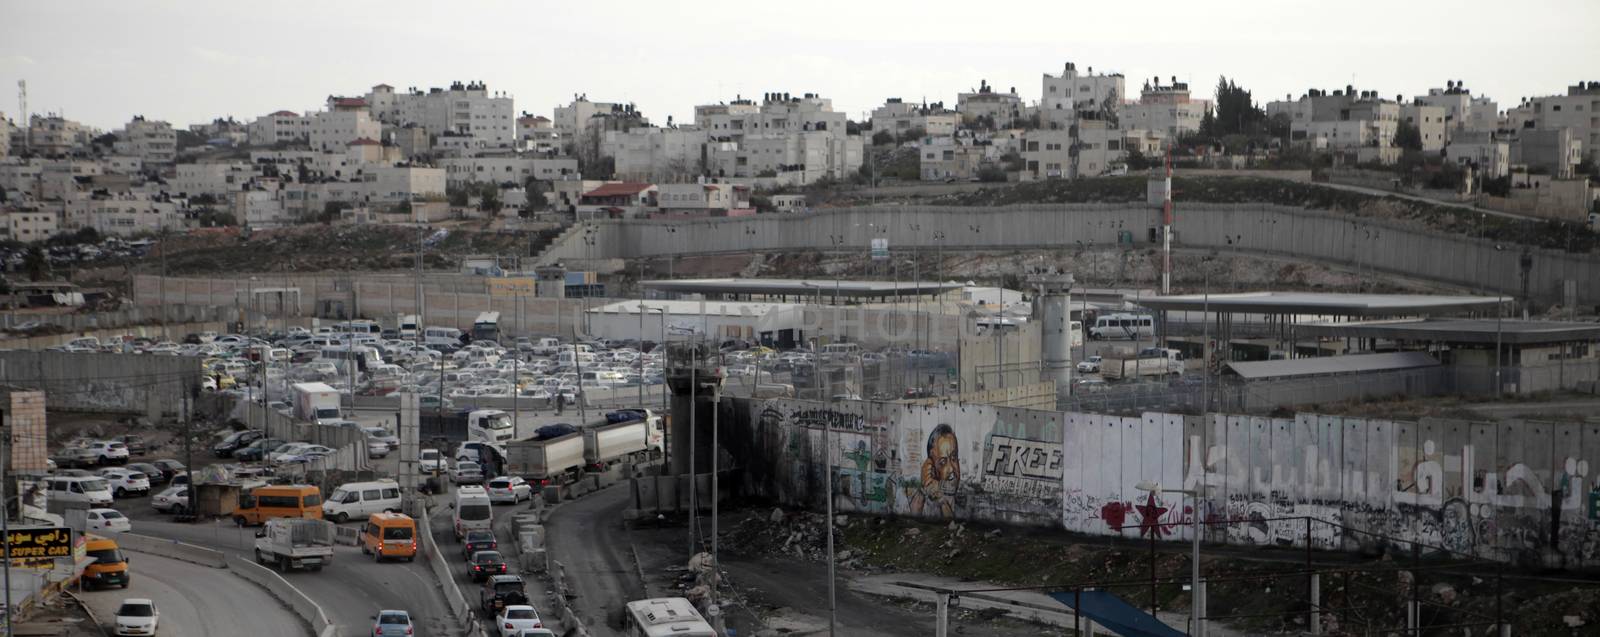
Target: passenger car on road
{"type": "Point", "coordinates": [508, 490]}
{"type": "Point", "coordinates": [108, 451]}
{"type": "Point", "coordinates": [136, 616]}
{"type": "Point", "coordinates": [500, 591]}
{"type": "Point", "coordinates": [467, 472]}
{"type": "Point", "coordinates": [392, 623]}
{"type": "Point", "coordinates": [235, 441]}
{"type": "Point", "coordinates": [126, 483]}
{"type": "Point", "coordinates": [515, 619]}
{"type": "Point", "coordinates": [106, 521]}
{"type": "Point", "coordinates": [485, 563]}
{"type": "Point", "coordinates": [258, 450]}
{"type": "Point", "coordinates": [171, 500]}
{"type": "Point", "coordinates": [478, 541]}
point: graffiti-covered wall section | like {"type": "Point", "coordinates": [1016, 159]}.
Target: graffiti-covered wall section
{"type": "Point", "coordinates": [1522, 492]}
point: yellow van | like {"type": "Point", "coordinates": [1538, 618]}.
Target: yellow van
{"type": "Point", "coordinates": [389, 535]}
{"type": "Point", "coordinates": [109, 568]}
{"type": "Point", "coordinates": [278, 501]}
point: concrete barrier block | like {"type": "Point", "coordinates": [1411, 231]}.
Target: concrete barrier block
{"type": "Point", "coordinates": [171, 549]}
{"type": "Point", "coordinates": [552, 493]}
{"type": "Point", "coordinates": [533, 560]}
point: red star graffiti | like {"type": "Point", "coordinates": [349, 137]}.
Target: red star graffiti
{"type": "Point", "coordinates": [1150, 518]}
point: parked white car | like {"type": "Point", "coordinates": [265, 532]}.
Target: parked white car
{"type": "Point", "coordinates": [136, 616]}
{"type": "Point", "coordinates": [126, 483]}
{"type": "Point", "coordinates": [431, 461]}
{"type": "Point", "coordinates": [1090, 366]}
{"type": "Point", "coordinates": [108, 451]}
{"type": "Point", "coordinates": [171, 500]}
{"type": "Point", "coordinates": [106, 521]}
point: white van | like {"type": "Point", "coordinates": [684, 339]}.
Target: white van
{"type": "Point", "coordinates": [841, 351]}
{"type": "Point", "coordinates": [441, 336]}
{"type": "Point", "coordinates": [357, 500]}
{"type": "Point", "coordinates": [1127, 326]}
{"type": "Point", "coordinates": [603, 378]}
{"type": "Point", "coordinates": [473, 510]}
{"type": "Point", "coordinates": [91, 491]}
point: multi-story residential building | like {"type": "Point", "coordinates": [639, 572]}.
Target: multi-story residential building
{"type": "Point", "coordinates": [65, 178]}
{"type": "Point", "coordinates": [411, 139]}
{"type": "Point", "coordinates": [218, 179]}
{"type": "Point", "coordinates": [900, 118]}
{"type": "Point", "coordinates": [657, 154]}
{"type": "Point", "coordinates": [1063, 96]}
{"type": "Point", "coordinates": [1168, 109]}
{"type": "Point", "coordinates": [702, 199]}
{"type": "Point", "coordinates": [1090, 149]}
{"type": "Point", "coordinates": [1486, 151]}
{"type": "Point", "coordinates": [281, 127]}
{"type": "Point", "coordinates": [1350, 122]}
{"type": "Point", "coordinates": [502, 169]}
{"type": "Point", "coordinates": [7, 130]}
{"type": "Point", "coordinates": [260, 208]}
{"type": "Point", "coordinates": [54, 136]}
{"type": "Point", "coordinates": [33, 223]}
{"type": "Point", "coordinates": [121, 165]}
{"type": "Point", "coordinates": [950, 158]}
{"type": "Point", "coordinates": [346, 120]}
{"type": "Point", "coordinates": [572, 119]}
{"type": "Point", "coordinates": [1552, 152]}
{"type": "Point", "coordinates": [1578, 110]}
{"type": "Point", "coordinates": [124, 214]}
{"type": "Point", "coordinates": [466, 109]}
{"type": "Point", "coordinates": [153, 141]}
{"type": "Point", "coordinates": [537, 134]}
{"type": "Point", "coordinates": [395, 184]}
{"type": "Point", "coordinates": [794, 140]}
{"type": "Point", "coordinates": [988, 108]}
{"type": "Point", "coordinates": [21, 176]}
{"type": "Point", "coordinates": [1046, 154]}
{"type": "Point", "coordinates": [1431, 123]}
{"type": "Point", "coordinates": [1462, 111]}
{"type": "Point", "coordinates": [727, 121]}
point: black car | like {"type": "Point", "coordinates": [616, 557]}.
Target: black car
{"type": "Point", "coordinates": [500, 591]}
{"type": "Point", "coordinates": [478, 541]}
{"type": "Point", "coordinates": [135, 444]}
{"type": "Point", "coordinates": [258, 450]}
{"type": "Point", "coordinates": [484, 564]}
{"type": "Point", "coordinates": [169, 469]}
{"type": "Point", "coordinates": [154, 473]}
{"type": "Point", "coordinates": [236, 441]}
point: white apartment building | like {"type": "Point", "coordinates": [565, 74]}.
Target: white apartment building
{"type": "Point", "coordinates": [30, 225]}
{"type": "Point", "coordinates": [123, 214]}
{"type": "Point", "coordinates": [1431, 123]}
{"type": "Point", "coordinates": [64, 178]}
{"type": "Point", "coordinates": [572, 119]}
{"type": "Point", "coordinates": [1462, 111]}
{"type": "Point", "coordinates": [218, 179]}
{"type": "Point", "coordinates": [348, 120]}
{"type": "Point", "coordinates": [260, 208]}
{"type": "Point", "coordinates": [468, 109]}
{"type": "Point", "coordinates": [153, 141]}
{"type": "Point", "coordinates": [122, 165]}
{"type": "Point", "coordinates": [1165, 108]}
{"type": "Point", "coordinates": [502, 169]}
{"type": "Point", "coordinates": [1048, 153]}
{"type": "Point", "coordinates": [6, 131]}
{"type": "Point", "coordinates": [1554, 151]}
{"type": "Point", "coordinates": [792, 159]}
{"type": "Point", "coordinates": [656, 154]}
{"type": "Point", "coordinates": [1578, 110]}
{"type": "Point", "coordinates": [1062, 96]}
{"type": "Point", "coordinates": [726, 121]}
{"type": "Point", "coordinates": [21, 175]}
{"type": "Point", "coordinates": [995, 109]}
{"type": "Point", "coordinates": [394, 184]}
{"type": "Point", "coordinates": [537, 134]}
{"type": "Point", "coordinates": [703, 199]}
{"type": "Point", "coordinates": [1485, 150]}
{"type": "Point", "coordinates": [53, 136]}
{"type": "Point", "coordinates": [947, 158]}
{"type": "Point", "coordinates": [280, 127]}
{"type": "Point", "coordinates": [1344, 121]}
{"type": "Point", "coordinates": [898, 118]}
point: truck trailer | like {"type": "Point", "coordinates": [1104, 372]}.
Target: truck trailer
{"type": "Point", "coordinates": [294, 543]}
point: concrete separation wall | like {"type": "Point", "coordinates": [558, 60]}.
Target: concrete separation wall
{"type": "Point", "coordinates": [285, 592]}
{"type": "Point", "coordinates": [1516, 492]}
{"type": "Point", "coordinates": [104, 383]}
{"type": "Point", "coordinates": [440, 565]}
{"type": "Point", "coordinates": [171, 549]}
{"type": "Point", "coordinates": [1318, 235]}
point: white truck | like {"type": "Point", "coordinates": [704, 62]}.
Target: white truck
{"type": "Point", "coordinates": [406, 326]}
{"type": "Point", "coordinates": [547, 346]}
{"type": "Point", "coordinates": [625, 433]}
{"type": "Point", "coordinates": [316, 402]}
{"type": "Point", "coordinates": [491, 425]}
{"type": "Point", "coordinates": [1151, 362]}
{"type": "Point", "coordinates": [545, 461]}
{"type": "Point", "coordinates": [294, 543]}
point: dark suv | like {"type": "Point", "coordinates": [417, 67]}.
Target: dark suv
{"type": "Point", "coordinates": [500, 591]}
{"type": "Point", "coordinates": [257, 451]}
{"type": "Point", "coordinates": [236, 441]}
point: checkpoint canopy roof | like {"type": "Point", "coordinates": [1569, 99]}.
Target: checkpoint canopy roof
{"type": "Point", "coordinates": [1325, 304]}
{"type": "Point", "coordinates": [1460, 331]}
{"type": "Point", "coordinates": [828, 288]}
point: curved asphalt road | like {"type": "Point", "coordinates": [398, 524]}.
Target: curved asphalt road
{"type": "Point", "coordinates": [350, 590]}
{"type": "Point", "coordinates": [197, 601]}
{"type": "Point", "coordinates": [588, 538]}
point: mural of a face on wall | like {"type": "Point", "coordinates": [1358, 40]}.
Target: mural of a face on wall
{"type": "Point", "coordinates": [941, 474]}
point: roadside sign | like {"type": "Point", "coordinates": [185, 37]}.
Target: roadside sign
{"type": "Point", "coordinates": [880, 249]}
{"type": "Point", "coordinates": [512, 287]}
{"type": "Point", "coordinates": [949, 372]}
{"type": "Point", "coordinates": [39, 543]}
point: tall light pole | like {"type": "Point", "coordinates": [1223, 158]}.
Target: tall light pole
{"type": "Point", "coordinates": [1197, 594]}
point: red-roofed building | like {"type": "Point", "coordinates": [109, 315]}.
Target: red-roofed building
{"type": "Point", "coordinates": [346, 103]}
{"type": "Point", "coordinates": [618, 199]}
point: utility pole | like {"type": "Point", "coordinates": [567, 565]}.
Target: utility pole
{"type": "Point", "coordinates": [5, 517]}
{"type": "Point", "coordinates": [1166, 228]}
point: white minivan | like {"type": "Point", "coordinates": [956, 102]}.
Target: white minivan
{"type": "Point", "coordinates": [473, 510]}
{"type": "Point", "coordinates": [357, 500]}
{"type": "Point", "coordinates": [92, 491]}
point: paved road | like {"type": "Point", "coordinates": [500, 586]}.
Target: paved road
{"type": "Point", "coordinates": [197, 601]}
{"type": "Point", "coordinates": [587, 537]}
{"type": "Point", "coordinates": [350, 590]}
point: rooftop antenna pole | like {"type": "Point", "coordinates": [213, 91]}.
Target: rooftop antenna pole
{"type": "Point", "coordinates": [1166, 227]}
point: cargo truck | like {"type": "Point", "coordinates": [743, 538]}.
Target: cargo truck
{"type": "Point", "coordinates": [294, 543]}
{"type": "Point", "coordinates": [485, 425]}
{"type": "Point", "coordinates": [316, 402]}
{"type": "Point", "coordinates": [1152, 362]}
{"type": "Point", "coordinates": [635, 434]}
{"type": "Point", "coordinates": [546, 460]}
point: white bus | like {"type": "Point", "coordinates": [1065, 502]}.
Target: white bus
{"type": "Point", "coordinates": [1123, 326]}
{"type": "Point", "coordinates": [366, 358]}
{"type": "Point", "coordinates": [664, 617]}
{"type": "Point", "coordinates": [358, 327]}
{"type": "Point", "coordinates": [441, 336]}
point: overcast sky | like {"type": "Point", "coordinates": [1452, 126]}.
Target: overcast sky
{"type": "Point", "coordinates": [189, 61]}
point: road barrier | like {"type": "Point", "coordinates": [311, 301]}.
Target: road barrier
{"type": "Point", "coordinates": [437, 562]}
{"type": "Point", "coordinates": [285, 592]}
{"type": "Point", "coordinates": [171, 549]}
{"type": "Point", "coordinates": [347, 535]}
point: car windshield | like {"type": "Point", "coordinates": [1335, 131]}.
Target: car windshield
{"type": "Point", "coordinates": [110, 515]}
{"type": "Point", "coordinates": [499, 484]}
{"type": "Point", "coordinates": [339, 495]}
{"type": "Point", "coordinates": [521, 613]}
{"type": "Point", "coordinates": [136, 610]}
{"type": "Point", "coordinates": [394, 618]}
{"type": "Point", "coordinates": [106, 556]}
{"type": "Point", "coordinates": [473, 512]}
{"type": "Point", "coordinates": [430, 454]}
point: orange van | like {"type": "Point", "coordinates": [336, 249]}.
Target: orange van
{"type": "Point", "coordinates": [389, 535]}
{"type": "Point", "coordinates": [260, 504]}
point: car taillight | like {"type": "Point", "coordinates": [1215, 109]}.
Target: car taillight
{"type": "Point", "coordinates": [377, 630]}
{"type": "Point", "coordinates": [502, 568]}
{"type": "Point", "coordinates": [475, 567]}
{"type": "Point", "coordinates": [408, 630]}
{"type": "Point", "coordinates": [509, 626]}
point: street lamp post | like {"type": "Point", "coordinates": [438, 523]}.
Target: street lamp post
{"type": "Point", "coordinates": [1197, 596]}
